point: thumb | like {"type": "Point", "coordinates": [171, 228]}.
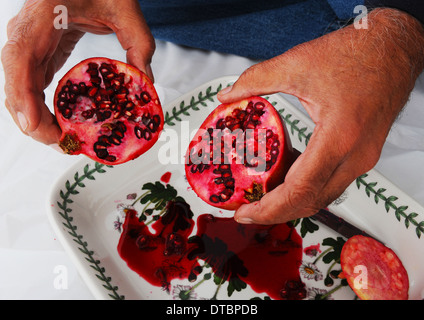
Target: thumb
{"type": "Point", "coordinates": [279, 74]}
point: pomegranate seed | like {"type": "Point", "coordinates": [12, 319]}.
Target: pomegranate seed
{"type": "Point", "coordinates": [214, 198]}
{"type": "Point", "coordinates": [145, 97]}
{"type": "Point", "coordinates": [259, 106]}
{"type": "Point", "coordinates": [62, 103]}
{"type": "Point", "coordinates": [82, 88]}
{"type": "Point", "coordinates": [121, 96]}
{"type": "Point", "coordinates": [67, 112]}
{"type": "Point", "coordinates": [87, 114]}
{"type": "Point", "coordinates": [74, 88]}
{"type": "Point", "coordinates": [114, 140]}
{"type": "Point", "coordinates": [104, 104]}
{"type": "Point", "coordinates": [93, 65]}
{"type": "Point", "coordinates": [92, 92]}
{"type": "Point", "coordinates": [147, 134]}
{"type": "Point", "coordinates": [138, 132]}
{"type": "Point", "coordinates": [96, 80]}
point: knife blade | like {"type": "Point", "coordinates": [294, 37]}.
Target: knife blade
{"type": "Point", "coordinates": [339, 225]}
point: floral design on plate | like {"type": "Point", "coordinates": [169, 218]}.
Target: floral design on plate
{"type": "Point", "coordinates": [88, 205]}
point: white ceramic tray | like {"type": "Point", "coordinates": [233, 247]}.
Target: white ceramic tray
{"type": "Point", "coordinates": [86, 209]}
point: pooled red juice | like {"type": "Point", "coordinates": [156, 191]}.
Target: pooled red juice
{"type": "Point", "coordinates": [267, 258]}
{"type": "Point", "coordinates": [158, 255]}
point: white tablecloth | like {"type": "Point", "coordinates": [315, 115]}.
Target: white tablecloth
{"type": "Point", "coordinates": [30, 256]}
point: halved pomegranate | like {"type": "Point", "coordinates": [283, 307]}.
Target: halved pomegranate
{"type": "Point", "coordinates": [241, 151]}
{"type": "Point", "coordinates": [108, 110]}
{"type": "Point", "coordinates": [373, 271]}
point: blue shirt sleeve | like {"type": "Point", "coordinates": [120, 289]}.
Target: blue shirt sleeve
{"type": "Point", "coordinates": [414, 7]}
{"type": "Point", "coordinates": [344, 9]}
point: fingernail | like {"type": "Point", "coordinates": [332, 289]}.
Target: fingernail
{"type": "Point", "coordinates": [242, 214]}
{"type": "Point", "coordinates": [23, 122]}
{"type": "Point", "coordinates": [56, 147]}
{"type": "Point", "coordinates": [226, 90]}
{"type": "Point", "coordinates": [244, 220]}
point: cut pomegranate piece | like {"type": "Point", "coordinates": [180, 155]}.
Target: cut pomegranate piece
{"type": "Point", "coordinates": [373, 271]}
{"type": "Point", "coordinates": [241, 151]}
{"type": "Point", "coordinates": [108, 110]}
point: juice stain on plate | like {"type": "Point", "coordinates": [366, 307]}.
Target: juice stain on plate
{"type": "Point", "coordinates": [166, 177]}
{"type": "Point", "coordinates": [265, 257]}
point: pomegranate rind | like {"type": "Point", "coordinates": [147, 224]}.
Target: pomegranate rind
{"type": "Point", "coordinates": [250, 186]}
{"type": "Point", "coordinates": [79, 134]}
{"type": "Point", "coordinates": [373, 271]}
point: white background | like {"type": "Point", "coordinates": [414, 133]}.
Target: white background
{"type": "Point", "coordinates": [31, 259]}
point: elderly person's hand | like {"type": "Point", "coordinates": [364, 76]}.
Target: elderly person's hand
{"type": "Point", "coordinates": [353, 83]}
{"type": "Point", "coordinates": [36, 50]}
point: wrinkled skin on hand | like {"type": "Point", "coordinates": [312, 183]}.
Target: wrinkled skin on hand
{"type": "Point", "coordinates": [353, 83]}
{"type": "Point", "coordinates": [36, 50]}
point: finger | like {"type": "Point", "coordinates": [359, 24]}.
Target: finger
{"type": "Point", "coordinates": [25, 98]}
{"type": "Point", "coordinates": [47, 130]}
{"type": "Point", "coordinates": [279, 74]}
{"type": "Point", "coordinates": [32, 42]}
{"type": "Point", "coordinates": [64, 48]}
{"type": "Point", "coordinates": [11, 26]}
{"type": "Point", "coordinates": [17, 87]}
{"type": "Point", "coordinates": [126, 20]}
{"type": "Point", "coordinates": [272, 209]}
{"type": "Point", "coordinates": [306, 188]}
{"type": "Point", "coordinates": [135, 37]}
{"type": "Point", "coordinates": [32, 115]}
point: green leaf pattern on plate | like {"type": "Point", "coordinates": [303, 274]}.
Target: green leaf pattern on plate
{"type": "Point", "coordinates": [330, 256]}
{"type": "Point", "coordinates": [72, 189]}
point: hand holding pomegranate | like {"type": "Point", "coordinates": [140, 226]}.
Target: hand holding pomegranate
{"type": "Point", "coordinates": [353, 83]}
{"type": "Point", "coordinates": [36, 50]}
